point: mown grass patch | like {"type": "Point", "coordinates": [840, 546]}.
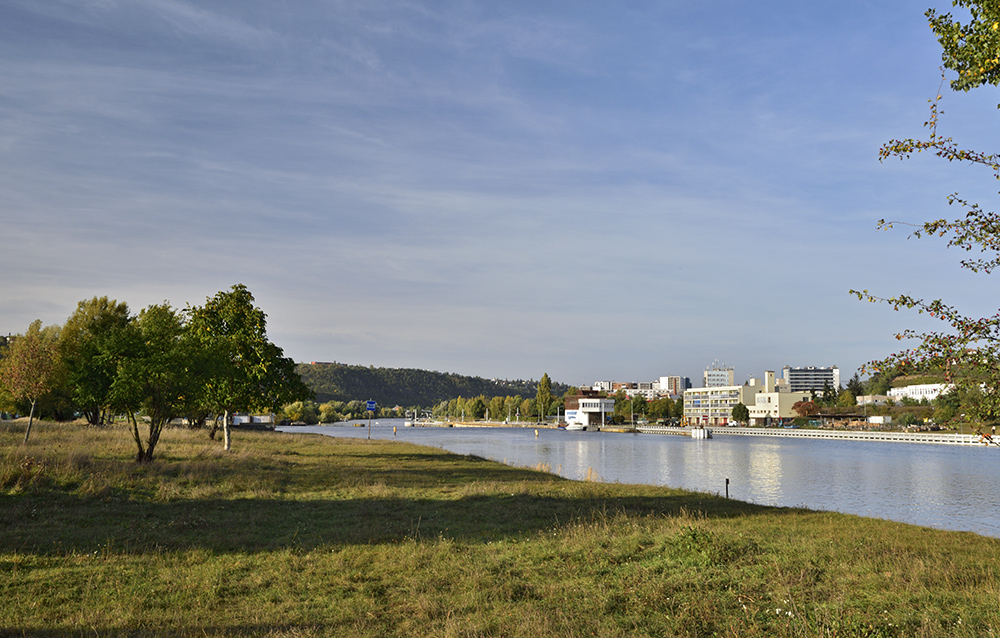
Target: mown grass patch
{"type": "Point", "coordinates": [300, 535]}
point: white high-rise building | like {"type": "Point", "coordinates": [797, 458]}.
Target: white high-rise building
{"type": "Point", "coordinates": [811, 378]}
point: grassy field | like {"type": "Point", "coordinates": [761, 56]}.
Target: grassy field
{"type": "Point", "coordinates": [303, 535]}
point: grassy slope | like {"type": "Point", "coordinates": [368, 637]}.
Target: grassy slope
{"type": "Point", "coordinates": [304, 535]}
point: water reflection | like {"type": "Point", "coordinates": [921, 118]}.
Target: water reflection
{"type": "Point", "coordinates": [935, 485]}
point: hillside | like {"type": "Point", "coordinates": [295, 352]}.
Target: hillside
{"type": "Point", "coordinates": [407, 386]}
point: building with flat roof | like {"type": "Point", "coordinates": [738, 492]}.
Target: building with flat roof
{"type": "Point", "coordinates": [672, 385]}
{"type": "Point", "coordinates": [929, 391]}
{"type": "Point", "coordinates": [773, 404]}
{"type": "Point", "coordinates": [588, 408]}
{"type": "Point", "coordinates": [808, 378]}
{"type": "Point", "coordinates": [718, 375]}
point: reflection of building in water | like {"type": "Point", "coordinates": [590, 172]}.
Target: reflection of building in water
{"type": "Point", "coordinates": [765, 474]}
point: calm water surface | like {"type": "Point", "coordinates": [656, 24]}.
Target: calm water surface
{"type": "Point", "coordinates": [943, 486]}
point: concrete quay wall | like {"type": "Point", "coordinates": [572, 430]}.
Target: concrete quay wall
{"type": "Point", "coordinates": [897, 437]}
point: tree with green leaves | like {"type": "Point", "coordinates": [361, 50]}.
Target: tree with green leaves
{"type": "Point", "coordinates": [28, 368]}
{"type": "Point", "coordinates": [527, 408]}
{"type": "Point", "coordinates": [741, 413]}
{"type": "Point", "coordinates": [946, 405]}
{"type": "Point", "coordinates": [967, 349]}
{"type": "Point", "coordinates": [86, 346]}
{"type": "Point", "coordinates": [846, 399]}
{"type": "Point", "coordinates": [475, 408]}
{"type": "Point", "coordinates": [246, 372]}
{"type": "Point", "coordinates": [158, 366]}
{"type": "Point", "coordinates": [855, 386]}
{"type": "Point", "coordinates": [543, 397]}
{"type": "Point", "coordinates": [497, 413]}
{"type": "Point", "coordinates": [638, 406]}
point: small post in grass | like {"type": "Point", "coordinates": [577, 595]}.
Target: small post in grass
{"type": "Point", "coordinates": [371, 410]}
{"type": "Point", "coordinates": [727, 488]}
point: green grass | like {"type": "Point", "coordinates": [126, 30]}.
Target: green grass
{"type": "Point", "coordinates": [302, 535]}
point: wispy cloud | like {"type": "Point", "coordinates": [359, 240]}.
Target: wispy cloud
{"type": "Point", "coordinates": [473, 186]}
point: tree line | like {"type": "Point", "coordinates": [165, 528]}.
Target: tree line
{"type": "Point", "coordinates": [201, 362]}
{"type": "Point", "coordinates": [407, 387]}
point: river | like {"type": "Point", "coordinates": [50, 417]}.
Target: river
{"type": "Point", "coordinates": [944, 486]}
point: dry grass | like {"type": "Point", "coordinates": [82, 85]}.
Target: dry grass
{"type": "Point", "coordinates": [298, 535]}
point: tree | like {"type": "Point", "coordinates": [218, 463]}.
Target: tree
{"type": "Point", "coordinates": [158, 366]}
{"type": "Point", "coordinates": [330, 411]}
{"type": "Point", "coordinates": [846, 399]}
{"type": "Point", "coordinates": [968, 348]}
{"type": "Point", "coordinates": [660, 408]}
{"type": "Point", "coordinates": [29, 367]}
{"type": "Point", "coordinates": [543, 397]}
{"type": "Point", "coordinates": [511, 405]}
{"type": "Point", "coordinates": [497, 412]}
{"type": "Point", "coordinates": [946, 406]}
{"type": "Point", "coordinates": [829, 394]}
{"type": "Point", "coordinates": [741, 414]}
{"type": "Point", "coordinates": [247, 372]}
{"type": "Point", "coordinates": [804, 408]}
{"type": "Point", "coordinates": [879, 383]}
{"type": "Point", "coordinates": [970, 49]}
{"type": "Point", "coordinates": [638, 405]}
{"type": "Point", "coordinates": [302, 411]}
{"type": "Point", "coordinates": [855, 387]}
{"type": "Point", "coordinates": [86, 344]}
{"type": "Point", "coordinates": [527, 408]}
{"type": "Point", "coordinates": [476, 408]}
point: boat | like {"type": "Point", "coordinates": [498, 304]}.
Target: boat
{"type": "Point", "coordinates": [575, 427]}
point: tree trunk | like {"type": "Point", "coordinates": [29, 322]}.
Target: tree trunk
{"type": "Point", "coordinates": [31, 418]}
{"type": "Point", "coordinates": [140, 456]}
{"type": "Point", "coordinates": [215, 428]}
{"type": "Point", "coordinates": [226, 432]}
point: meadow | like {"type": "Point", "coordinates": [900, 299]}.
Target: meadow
{"type": "Point", "coordinates": [305, 535]}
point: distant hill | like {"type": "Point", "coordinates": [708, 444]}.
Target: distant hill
{"type": "Point", "coordinates": [407, 387]}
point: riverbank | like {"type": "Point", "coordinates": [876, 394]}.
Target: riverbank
{"type": "Point", "coordinates": [303, 535]}
{"type": "Point", "coordinates": [843, 435]}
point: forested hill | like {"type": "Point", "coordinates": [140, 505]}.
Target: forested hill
{"type": "Point", "coordinates": [407, 387]}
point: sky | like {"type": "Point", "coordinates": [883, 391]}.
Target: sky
{"type": "Point", "coordinates": [593, 190]}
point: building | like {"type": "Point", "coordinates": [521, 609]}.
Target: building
{"type": "Point", "coordinates": [773, 403]}
{"type": "Point", "coordinates": [714, 405]}
{"type": "Point", "coordinates": [872, 399]}
{"type": "Point", "coordinates": [929, 391]}
{"type": "Point", "coordinates": [811, 378]}
{"type": "Point", "coordinates": [673, 386]}
{"type": "Point", "coordinates": [588, 408]}
{"type": "Point", "coordinates": [718, 376]}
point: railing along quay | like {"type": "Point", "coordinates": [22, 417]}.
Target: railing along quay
{"type": "Point", "coordinates": [897, 437]}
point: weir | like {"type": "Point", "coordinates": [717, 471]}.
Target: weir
{"type": "Point", "coordinates": [895, 437]}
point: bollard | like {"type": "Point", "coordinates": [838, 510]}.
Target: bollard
{"type": "Point", "coordinates": [727, 488]}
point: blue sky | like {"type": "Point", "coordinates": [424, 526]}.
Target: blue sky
{"type": "Point", "coordinates": [590, 189]}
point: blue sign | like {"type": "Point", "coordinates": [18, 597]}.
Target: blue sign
{"type": "Point", "coordinates": [371, 406]}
